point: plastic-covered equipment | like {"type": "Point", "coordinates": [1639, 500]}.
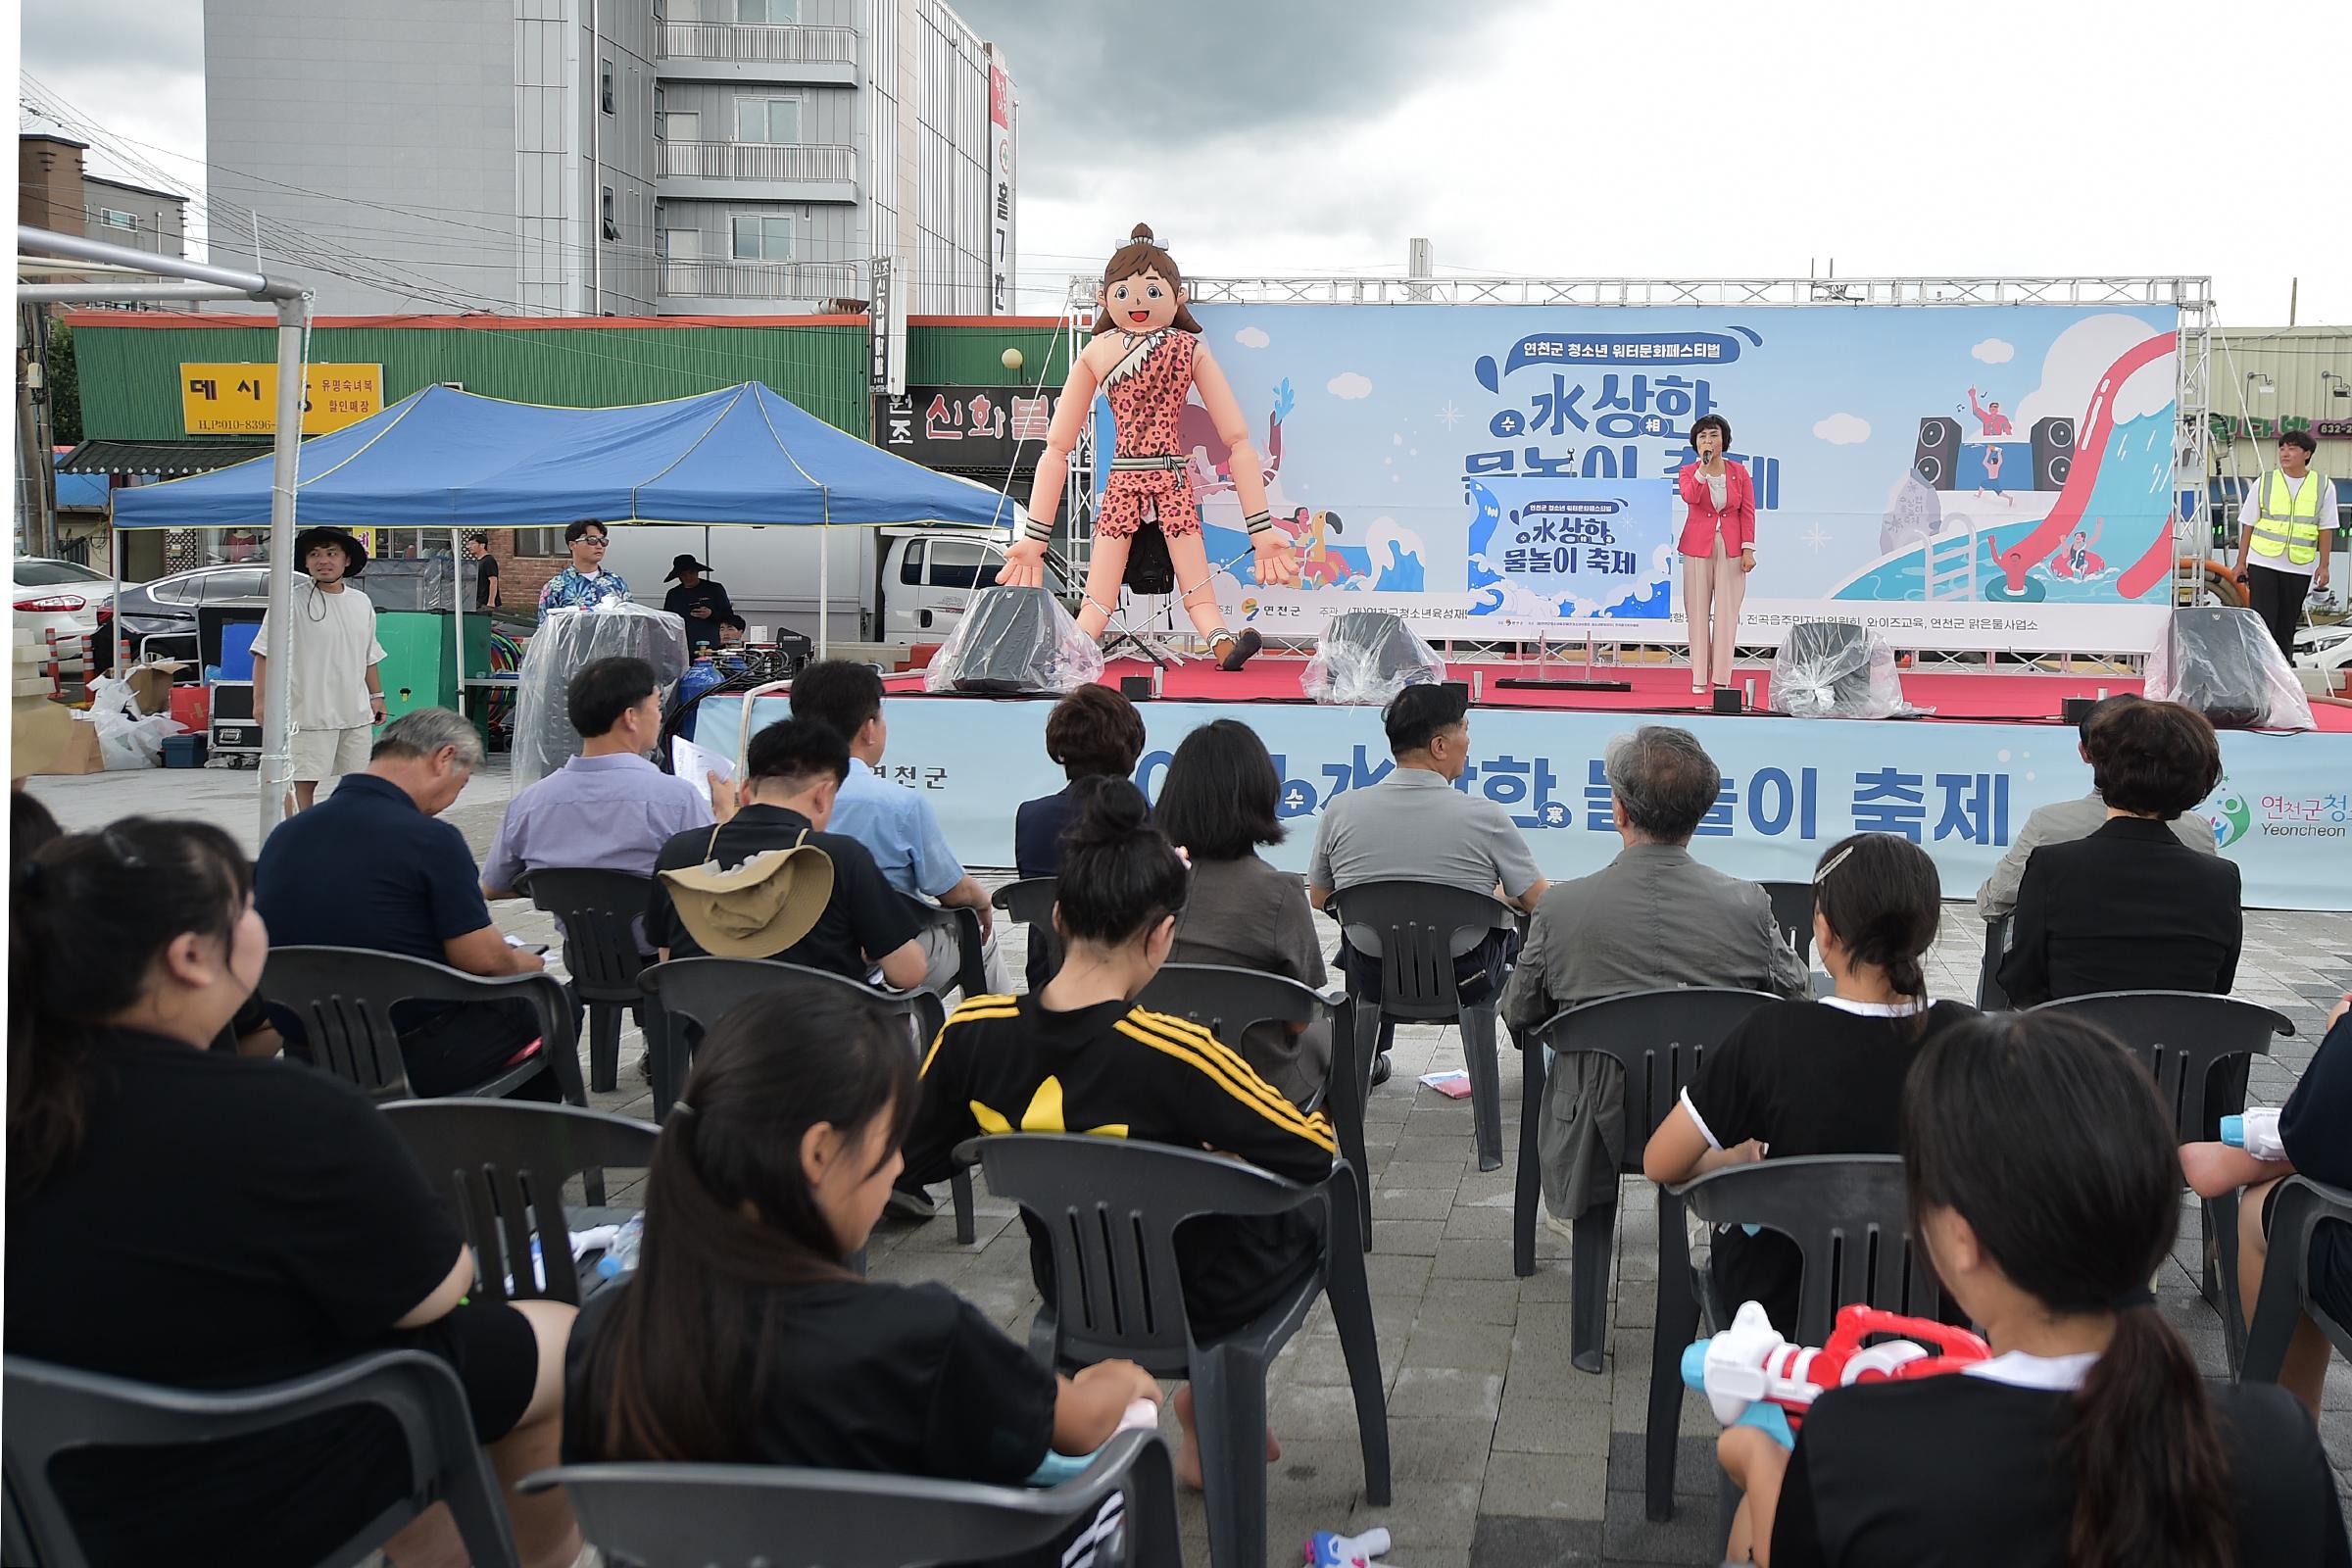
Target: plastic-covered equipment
{"type": "Point", "coordinates": [1015, 641]}
{"type": "Point", "coordinates": [544, 739]}
{"type": "Point", "coordinates": [422, 583]}
{"type": "Point", "coordinates": [1369, 655]}
{"type": "Point", "coordinates": [1836, 669]}
{"type": "Point", "coordinates": [2224, 662]}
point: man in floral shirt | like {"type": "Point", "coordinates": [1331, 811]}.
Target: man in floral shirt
{"type": "Point", "coordinates": [584, 584]}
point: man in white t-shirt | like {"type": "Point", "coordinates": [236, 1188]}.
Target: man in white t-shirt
{"type": "Point", "coordinates": [337, 698]}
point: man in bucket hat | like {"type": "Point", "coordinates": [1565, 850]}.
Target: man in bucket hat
{"type": "Point", "coordinates": [336, 697]}
{"type": "Point", "coordinates": [771, 883]}
{"type": "Point", "coordinates": [698, 600]}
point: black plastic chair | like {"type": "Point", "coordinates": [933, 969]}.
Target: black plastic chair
{"type": "Point", "coordinates": [1793, 912]}
{"type": "Point", "coordinates": [696, 992]}
{"type": "Point", "coordinates": [1030, 902]}
{"type": "Point", "coordinates": [971, 960]}
{"type": "Point", "coordinates": [2303, 1205]}
{"type": "Point", "coordinates": [2199, 1047]}
{"type": "Point", "coordinates": [343, 998]}
{"type": "Point", "coordinates": [53, 1410]}
{"type": "Point", "coordinates": [1417, 926]}
{"type": "Point", "coordinates": [1657, 1038]}
{"type": "Point", "coordinates": [1112, 1208]}
{"type": "Point", "coordinates": [503, 1165]}
{"type": "Point", "coordinates": [1847, 1214]}
{"type": "Point", "coordinates": [1227, 1001]}
{"type": "Point", "coordinates": [773, 1516]}
{"type": "Point", "coordinates": [1991, 998]}
{"type": "Point", "coordinates": [599, 912]}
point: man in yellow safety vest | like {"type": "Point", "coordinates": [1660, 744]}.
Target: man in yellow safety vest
{"type": "Point", "coordinates": [2286, 531]}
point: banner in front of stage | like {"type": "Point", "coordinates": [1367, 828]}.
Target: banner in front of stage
{"type": "Point", "coordinates": [1791, 787]}
{"type": "Point", "coordinates": [1962, 478]}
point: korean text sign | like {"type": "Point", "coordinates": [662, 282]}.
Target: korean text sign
{"type": "Point", "coordinates": [242, 398]}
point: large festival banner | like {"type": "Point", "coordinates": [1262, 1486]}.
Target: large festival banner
{"type": "Point", "coordinates": [1791, 787]}
{"type": "Point", "coordinates": [1961, 477]}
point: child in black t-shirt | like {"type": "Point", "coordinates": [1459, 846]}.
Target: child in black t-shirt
{"type": "Point", "coordinates": [1080, 1057]}
{"type": "Point", "coordinates": [2316, 1131]}
{"type": "Point", "coordinates": [1816, 1078]}
{"type": "Point", "coordinates": [2046, 1189]}
{"type": "Point", "coordinates": [744, 1337]}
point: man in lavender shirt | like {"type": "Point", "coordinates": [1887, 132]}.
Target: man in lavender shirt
{"type": "Point", "coordinates": [608, 808]}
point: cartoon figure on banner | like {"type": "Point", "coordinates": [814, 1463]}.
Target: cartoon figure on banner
{"type": "Point", "coordinates": [2077, 559]}
{"type": "Point", "coordinates": [1148, 357]}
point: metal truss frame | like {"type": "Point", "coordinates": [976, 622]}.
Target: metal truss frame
{"type": "Point", "coordinates": [2191, 295]}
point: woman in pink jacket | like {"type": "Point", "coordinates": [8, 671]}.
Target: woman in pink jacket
{"type": "Point", "coordinates": [1719, 548]}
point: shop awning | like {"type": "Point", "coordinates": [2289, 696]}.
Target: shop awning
{"type": "Point", "coordinates": [172, 458]}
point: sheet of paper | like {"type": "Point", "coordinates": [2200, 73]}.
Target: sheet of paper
{"type": "Point", "coordinates": [695, 764]}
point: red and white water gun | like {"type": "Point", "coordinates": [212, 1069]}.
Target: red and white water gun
{"type": "Point", "coordinates": [1753, 1377]}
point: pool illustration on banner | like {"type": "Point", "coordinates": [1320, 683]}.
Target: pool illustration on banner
{"type": "Point", "coordinates": [1956, 476]}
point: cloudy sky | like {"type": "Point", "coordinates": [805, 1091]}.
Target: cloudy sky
{"type": "Point", "coordinates": [1702, 139]}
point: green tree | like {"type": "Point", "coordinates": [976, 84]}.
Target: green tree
{"type": "Point", "coordinates": [64, 380]}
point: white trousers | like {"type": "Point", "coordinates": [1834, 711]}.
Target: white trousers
{"type": "Point", "coordinates": [1712, 588]}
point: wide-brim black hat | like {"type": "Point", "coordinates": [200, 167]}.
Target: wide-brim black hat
{"type": "Point", "coordinates": [680, 563]}
{"type": "Point", "coordinates": [355, 554]}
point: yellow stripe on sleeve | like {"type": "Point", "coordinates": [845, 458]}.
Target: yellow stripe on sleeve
{"type": "Point", "coordinates": [1218, 1069]}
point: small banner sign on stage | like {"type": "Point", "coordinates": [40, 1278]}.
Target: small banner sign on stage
{"type": "Point", "coordinates": [1791, 786]}
{"type": "Point", "coordinates": [1960, 478]}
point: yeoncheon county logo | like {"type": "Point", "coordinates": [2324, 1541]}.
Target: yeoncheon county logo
{"type": "Point", "coordinates": [2228, 813]}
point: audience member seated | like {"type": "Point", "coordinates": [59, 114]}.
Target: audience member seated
{"type": "Point", "coordinates": [1415, 826]}
{"type": "Point", "coordinates": [2065, 821]}
{"type": "Point", "coordinates": [372, 866]}
{"type": "Point", "coordinates": [1817, 1078]}
{"type": "Point", "coordinates": [608, 808]}
{"type": "Point", "coordinates": [743, 904]}
{"type": "Point", "coordinates": [2130, 907]}
{"type": "Point", "coordinates": [1219, 800]}
{"type": "Point", "coordinates": [1093, 733]}
{"type": "Point", "coordinates": [2312, 1129]}
{"type": "Point", "coordinates": [746, 1338]}
{"type": "Point", "coordinates": [2046, 1189]}
{"type": "Point", "coordinates": [1653, 918]}
{"type": "Point", "coordinates": [896, 823]}
{"type": "Point", "coordinates": [193, 1218]}
{"type": "Point", "coordinates": [1080, 1057]}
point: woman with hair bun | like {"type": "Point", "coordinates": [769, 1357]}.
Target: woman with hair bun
{"type": "Point", "coordinates": [1081, 1056]}
{"type": "Point", "coordinates": [1817, 1077]}
{"type": "Point", "coordinates": [2045, 1191]}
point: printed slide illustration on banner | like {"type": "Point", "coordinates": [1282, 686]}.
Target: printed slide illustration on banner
{"type": "Point", "coordinates": [1572, 550]}
{"type": "Point", "coordinates": [1993, 476]}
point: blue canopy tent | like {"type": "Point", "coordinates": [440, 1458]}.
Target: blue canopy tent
{"type": "Point", "coordinates": [446, 459]}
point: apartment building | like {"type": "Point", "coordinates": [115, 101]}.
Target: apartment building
{"type": "Point", "coordinates": [616, 157]}
{"type": "Point", "coordinates": [57, 191]}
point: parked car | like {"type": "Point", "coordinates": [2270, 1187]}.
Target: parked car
{"type": "Point", "coordinates": [62, 596]}
{"type": "Point", "coordinates": [160, 616]}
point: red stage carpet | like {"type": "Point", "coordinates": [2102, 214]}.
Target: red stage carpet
{"type": "Point", "coordinates": [1950, 696]}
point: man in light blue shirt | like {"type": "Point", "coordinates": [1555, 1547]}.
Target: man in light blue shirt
{"type": "Point", "coordinates": [608, 808]}
{"type": "Point", "coordinates": [893, 822]}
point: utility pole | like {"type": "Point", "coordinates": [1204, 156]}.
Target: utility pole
{"type": "Point", "coordinates": [35, 468]}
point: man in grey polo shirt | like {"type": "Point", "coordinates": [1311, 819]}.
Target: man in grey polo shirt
{"type": "Point", "coordinates": [1415, 826]}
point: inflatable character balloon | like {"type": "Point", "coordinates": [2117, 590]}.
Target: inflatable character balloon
{"type": "Point", "coordinates": [1147, 357]}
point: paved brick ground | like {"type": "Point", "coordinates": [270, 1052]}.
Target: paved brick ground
{"type": "Point", "coordinates": [1504, 1453]}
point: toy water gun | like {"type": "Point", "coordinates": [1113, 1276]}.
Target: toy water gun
{"type": "Point", "coordinates": [1140, 1415]}
{"type": "Point", "coordinates": [1330, 1550]}
{"type": "Point", "coordinates": [2256, 1132]}
{"type": "Point", "coordinates": [1753, 1377]}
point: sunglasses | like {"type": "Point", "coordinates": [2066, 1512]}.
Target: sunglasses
{"type": "Point", "coordinates": [594, 539]}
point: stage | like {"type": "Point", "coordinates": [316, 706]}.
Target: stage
{"type": "Point", "coordinates": [1959, 779]}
